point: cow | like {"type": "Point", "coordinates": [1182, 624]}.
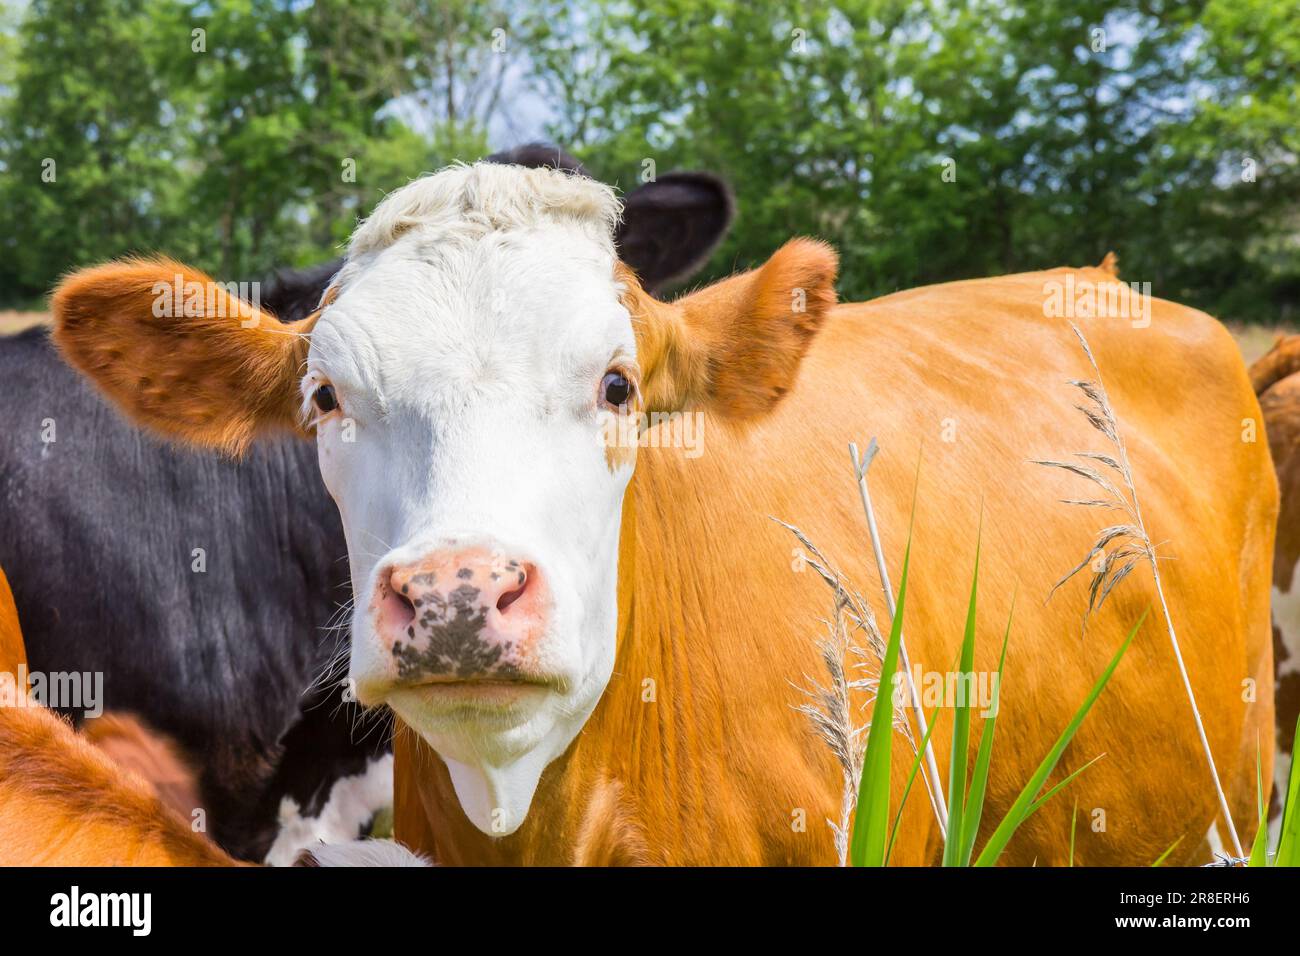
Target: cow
{"type": "Point", "coordinates": [116, 794]}
{"type": "Point", "coordinates": [1277, 384]}
{"type": "Point", "coordinates": [64, 801]}
{"type": "Point", "coordinates": [216, 584]}
{"type": "Point", "coordinates": [590, 641]}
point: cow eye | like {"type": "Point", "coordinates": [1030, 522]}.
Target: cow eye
{"type": "Point", "coordinates": [325, 399]}
{"type": "Point", "coordinates": [615, 389]}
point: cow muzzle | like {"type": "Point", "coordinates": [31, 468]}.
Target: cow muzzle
{"type": "Point", "coordinates": [460, 616]}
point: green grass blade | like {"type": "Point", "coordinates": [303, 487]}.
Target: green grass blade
{"type": "Point", "coordinates": [911, 778]}
{"type": "Point", "coordinates": [952, 847]}
{"type": "Point", "coordinates": [1288, 844]}
{"type": "Point", "coordinates": [1037, 804]}
{"type": "Point", "coordinates": [1074, 819]}
{"type": "Point", "coordinates": [871, 820]}
{"type": "Point", "coordinates": [1164, 856]}
{"type": "Point", "coordinates": [1023, 806]}
{"type": "Point", "coordinates": [974, 809]}
{"type": "Point", "coordinates": [1259, 851]}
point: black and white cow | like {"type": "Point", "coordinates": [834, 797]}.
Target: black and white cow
{"type": "Point", "coordinates": [204, 589]}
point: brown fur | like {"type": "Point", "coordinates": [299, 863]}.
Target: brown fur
{"type": "Point", "coordinates": [13, 655]}
{"type": "Point", "coordinates": [1282, 361]}
{"type": "Point", "coordinates": [151, 755]}
{"type": "Point", "coordinates": [203, 379]}
{"type": "Point", "coordinates": [610, 835]}
{"type": "Point", "coordinates": [734, 347]}
{"type": "Point", "coordinates": [715, 769]}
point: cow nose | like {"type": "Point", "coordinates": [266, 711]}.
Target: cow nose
{"type": "Point", "coordinates": [494, 583]}
{"type": "Point", "coordinates": [458, 615]}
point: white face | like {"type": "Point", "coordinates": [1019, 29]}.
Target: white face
{"type": "Point", "coordinates": [481, 505]}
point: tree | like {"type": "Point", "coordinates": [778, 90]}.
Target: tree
{"type": "Point", "coordinates": [88, 157]}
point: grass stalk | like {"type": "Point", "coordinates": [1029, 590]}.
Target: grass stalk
{"type": "Point", "coordinates": [930, 773]}
{"type": "Point", "coordinates": [871, 821]}
{"type": "Point", "coordinates": [1160, 860]}
{"type": "Point", "coordinates": [1074, 819]}
{"type": "Point", "coordinates": [851, 650]}
{"type": "Point", "coordinates": [953, 849]}
{"type": "Point", "coordinates": [1128, 543]}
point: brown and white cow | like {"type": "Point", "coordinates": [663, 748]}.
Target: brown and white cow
{"type": "Point", "coordinates": [1276, 379]}
{"type": "Point", "coordinates": [590, 646]}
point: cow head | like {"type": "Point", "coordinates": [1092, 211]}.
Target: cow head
{"type": "Point", "coordinates": [474, 384]}
{"type": "Point", "coordinates": [669, 228]}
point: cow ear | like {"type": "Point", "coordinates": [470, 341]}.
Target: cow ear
{"type": "Point", "coordinates": [178, 353]}
{"type": "Point", "coordinates": [671, 226]}
{"type": "Point", "coordinates": [735, 347]}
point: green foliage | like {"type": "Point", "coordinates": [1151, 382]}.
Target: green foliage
{"type": "Point", "coordinates": [1059, 143]}
{"type": "Point", "coordinates": [84, 142]}
{"type": "Point", "coordinates": [1288, 844]}
{"type": "Point", "coordinates": [1032, 797]}
{"type": "Point", "coordinates": [973, 810]}
{"type": "Point", "coordinates": [241, 136]}
{"type": "Point", "coordinates": [1160, 860]}
{"type": "Point", "coordinates": [959, 826]}
{"type": "Point", "coordinates": [928, 140]}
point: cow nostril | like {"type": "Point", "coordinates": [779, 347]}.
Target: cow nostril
{"type": "Point", "coordinates": [399, 608]}
{"type": "Point", "coordinates": [515, 592]}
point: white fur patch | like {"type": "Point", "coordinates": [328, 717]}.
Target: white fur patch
{"type": "Point", "coordinates": [483, 198]}
{"type": "Point", "coordinates": [477, 315]}
{"type": "Point", "coordinates": [352, 802]}
{"type": "Point", "coordinates": [366, 853]}
{"type": "Point", "coordinates": [1286, 618]}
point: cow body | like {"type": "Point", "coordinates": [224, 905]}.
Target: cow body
{"type": "Point", "coordinates": [1277, 384]}
{"type": "Point", "coordinates": [593, 661]}
{"type": "Point", "coordinates": [718, 767]}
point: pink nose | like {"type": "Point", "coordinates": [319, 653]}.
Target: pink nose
{"type": "Point", "coordinates": [459, 615]}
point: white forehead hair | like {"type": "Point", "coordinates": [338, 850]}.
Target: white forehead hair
{"type": "Point", "coordinates": [467, 202]}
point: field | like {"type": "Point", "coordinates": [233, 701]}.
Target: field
{"type": "Point", "coordinates": [11, 322]}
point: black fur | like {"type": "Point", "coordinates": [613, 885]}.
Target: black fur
{"type": "Point", "coordinates": [97, 533]}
